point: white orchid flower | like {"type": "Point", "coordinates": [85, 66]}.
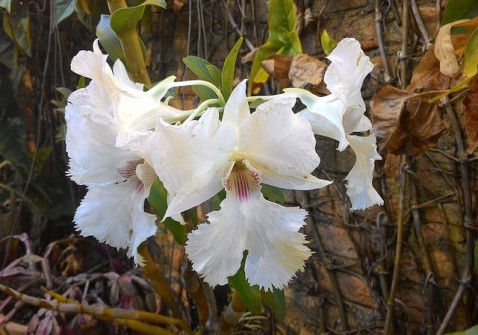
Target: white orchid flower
{"type": "Point", "coordinates": [341, 113]}
{"type": "Point", "coordinates": [199, 158]}
{"type": "Point", "coordinates": [118, 180]}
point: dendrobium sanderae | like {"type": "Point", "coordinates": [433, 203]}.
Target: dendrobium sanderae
{"type": "Point", "coordinates": [197, 159]}
{"type": "Point", "coordinates": [341, 113]}
{"type": "Point", "coordinates": [118, 180]}
{"type": "Point", "coordinates": [120, 139]}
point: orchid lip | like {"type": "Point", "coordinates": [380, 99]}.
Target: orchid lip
{"type": "Point", "coordinates": [241, 181]}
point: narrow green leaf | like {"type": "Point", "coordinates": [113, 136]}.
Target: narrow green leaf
{"type": "Point", "coordinates": [459, 9]}
{"type": "Point", "coordinates": [471, 55]}
{"type": "Point", "coordinates": [203, 70]}
{"type": "Point", "coordinates": [283, 39]}
{"type": "Point", "coordinates": [61, 10]}
{"type": "Point", "coordinates": [158, 201]}
{"type": "Point", "coordinates": [12, 141]}
{"type": "Point", "coordinates": [19, 20]}
{"type": "Point", "coordinates": [89, 12]}
{"type": "Point", "coordinates": [229, 69]}
{"type": "Point", "coordinates": [250, 295]}
{"type": "Point", "coordinates": [273, 193]}
{"type": "Point", "coordinates": [125, 19]}
{"type": "Point", "coordinates": [327, 42]}
{"type": "Point", "coordinates": [455, 88]}
{"type": "Point", "coordinates": [275, 300]}
{"type": "Point", "coordinates": [471, 331]}
{"type": "Point", "coordinates": [7, 4]}
{"type": "Point", "coordinates": [8, 51]}
{"type": "Point", "coordinates": [204, 93]}
{"type": "Point", "coordinates": [108, 39]}
{"type": "Point", "coordinates": [258, 75]}
{"type": "Point", "coordinates": [281, 18]}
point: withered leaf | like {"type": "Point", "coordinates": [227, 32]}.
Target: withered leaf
{"type": "Point", "coordinates": [470, 111]}
{"type": "Point", "coordinates": [306, 70]}
{"type": "Point", "coordinates": [301, 71]}
{"type": "Point", "coordinates": [278, 66]}
{"type": "Point", "coordinates": [427, 75]}
{"type": "Point", "coordinates": [405, 123]}
{"type": "Point", "coordinates": [445, 52]}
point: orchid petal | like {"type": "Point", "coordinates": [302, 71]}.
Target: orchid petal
{"type": "Point", "coordinates": [90, 64]}
{"type": "Point", "coordinates": [91, 149]}
{"type": "Point", "coordinates": [118, 220]}
{"type": "Point", "coordinates": [268, 231]}
{"type": "Point", "coordinates": [189, 163]}
{"type": "Point", "coordinates": [344, 78]}
{"type": "Point", "coordinates": [349, 67]}
{"type": "Point", "coordinates": [359, 180]}
{"type": "Point", "coordinates": [281, 145]}
{"type": "Point", "coordinates": [237, 108]}
{"type": "Point", "coordinates": [324, 113]}
{"type": "Point", "coordinates": [216, 249]}
{"type": "Point", "coordinates": [276, 249]}
{"type": "Point", "coordinates": [363, 125]}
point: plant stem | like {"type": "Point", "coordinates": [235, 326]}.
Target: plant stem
{"type": "Point", "coordinates": [398, 250]}
{"type": "Point", "coordinates": [468, 221]}
{"type": "Point", "coordinates": [131, 47]}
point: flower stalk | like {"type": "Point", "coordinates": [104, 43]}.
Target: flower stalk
{"type": "Point", "coordinates": [131, 47]}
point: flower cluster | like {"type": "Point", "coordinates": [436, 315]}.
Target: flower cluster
{"type": "Point", "coordinates": [121, 138]}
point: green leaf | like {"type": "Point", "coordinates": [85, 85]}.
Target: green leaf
{"type": "Point", "coordinates": [12, 141]}
{"type": "Point", "coordinates": [327, 42]}
{"type": "Point", "coordinates": [456, 88]}
{"type": "Point", "coordinates": [90, 11]}
{"type": "Point", "coordinates": [8, 51]}
{"type": "Point", "coordinates": [203, 70]}
{"type": "Point", "coordinates": [471, 331]}
{"type": "Point", "coordinates": [158, 202]}
{"type": "Point", "coordinates": [41, 156]}
{"type": "Point", "coordinates": [282, 18]}
{"type": "Point", "coordinates": [61, 10]}
{"type": "Point", "coordinates": [125, 19]}
{"type": "Point", "coordinates": [108, 39]}
{"type": "Point", "coordinates": [229, 69]}
{"type": "Point", "coordinates": [283, 39]}
{"type": "Point", "coordinates": [258, 75]}
{"type": "Point", "coordinates": [250, 295]}
{"type": "Point", "coordinates": [275, 300]}
{"type": "Point", "coordinates": [19, 20]}
{"type": "Point", "coordinates": [459, 9]}
{"type": "Point", "coordinates": [7, 4]}
{"type": "Point", "coordinates": [273, 193]}
{"type": "Point", "coordinates": [471, 55]}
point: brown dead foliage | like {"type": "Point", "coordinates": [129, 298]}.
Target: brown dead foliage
{"type": "Point", "coordinates": [405, 123]}
{"type": "Point", "coordinates": [300, 71]}
{"type": "Point", "coordinates": [470, 111]}
{"type": "Point", "coordinates": [427, 75]}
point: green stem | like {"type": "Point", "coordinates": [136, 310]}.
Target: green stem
{"type": "Point", "coordinates": [203, 106]}
{"type": "Point", "coordinates": [131, 47]}
{"type": "Point", "coordinates": [113, 5]}
{"type": "Point", "coordinates": [134, 57]}
{"type": "Point", "coordinates": [220, 97]}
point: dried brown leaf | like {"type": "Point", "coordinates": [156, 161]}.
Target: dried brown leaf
{"type": "Point", "coordinates": [278, 66]}
{"type": "Point", "coordinates": [405, 123]}
{"type": "Point", "coordinates": [445, 51]}
{"type": "Point", "coordinates": [301, 71]}
{"type": "Point", "coordinates": [427, 75]}
{"type": "Point", "coordinates": [470, 111]}
{"type": "Point", "coordinates": [306, 70]}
